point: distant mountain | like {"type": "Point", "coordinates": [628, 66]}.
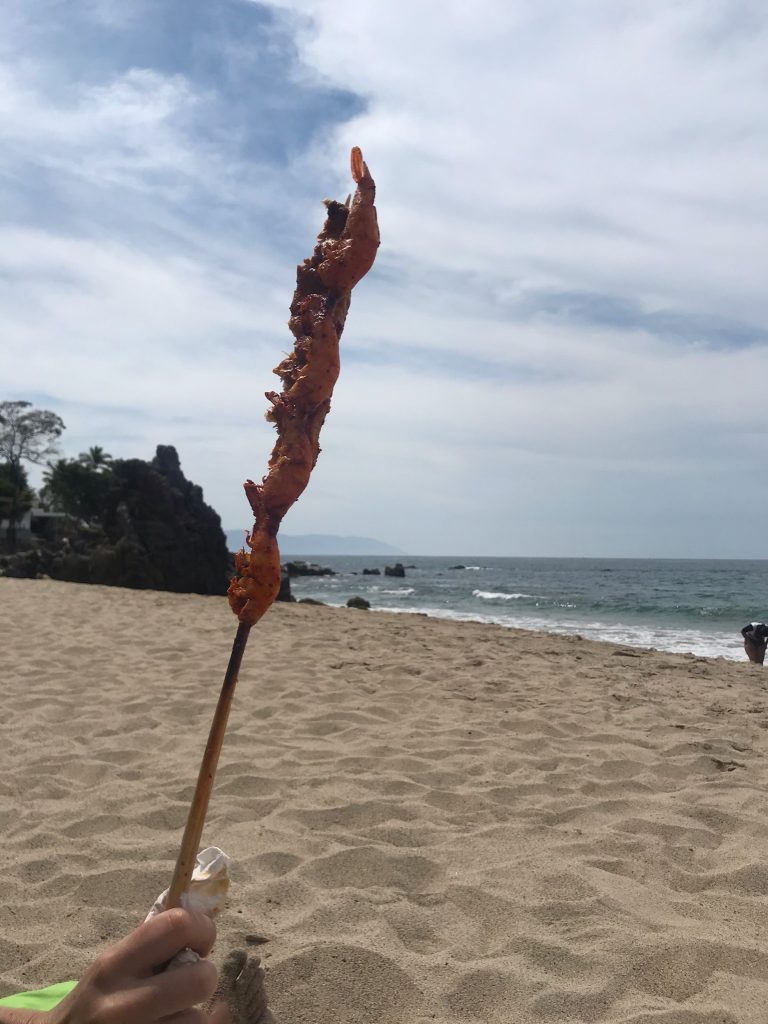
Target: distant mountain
{"type": "Point", "coordinates": [320, 544]}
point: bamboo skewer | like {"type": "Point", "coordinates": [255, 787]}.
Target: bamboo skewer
{"type": "Point", "coordinates": [193, 831]}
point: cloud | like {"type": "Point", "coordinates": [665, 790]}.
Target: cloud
{"type": "Point", "coordinates": [120, 133]}
{"type": "Point", "coordinates": [562, 346]}
{"type": "Point", "coordinates": [607, 148]}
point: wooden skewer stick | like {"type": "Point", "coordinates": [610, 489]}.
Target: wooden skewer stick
{"type": "Point", "coordinates": [193, 831]}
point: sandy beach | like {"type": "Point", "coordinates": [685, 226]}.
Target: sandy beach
{"type": "Point", "coordinates": [431, 822]}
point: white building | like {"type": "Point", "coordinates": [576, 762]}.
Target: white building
{"type": "Point", "coordinates": [35, 523]}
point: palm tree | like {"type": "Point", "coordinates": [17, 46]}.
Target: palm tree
{"type": "Point", "coordinates": [74, 487]}
{"type": "Point", "coordinates": [52, 475]}
{"type": "Point", "coordinates": [95, 458]}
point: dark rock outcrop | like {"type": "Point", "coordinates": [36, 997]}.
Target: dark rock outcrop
{"type": "Point", "coordinates": [285, 586]}
{"type": "Point", "coordinates": [162, 532]}
{"type": "Point", "coordinates": [24, 565]}
{"type": "Point", "coordinates": [394, 570]}
{"type": "Point", "coordinates": [371, 572]}
{"type": "Point", "coordinates": [359, 602]}
{"type": "Point", "coordinates": [307, 569]}
{"type": "Point", "coordinates": [153, 531]}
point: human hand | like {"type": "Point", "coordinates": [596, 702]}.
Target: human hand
{"type": "Point", "coordinates": [121, 987]}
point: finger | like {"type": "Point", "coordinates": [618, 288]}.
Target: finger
{"type": "Point", "coordinates": [157, 940]}
{"type": "Point", "coordinates": [174, 991]}
{"type": "Point", "coordinates": [156, 1000]}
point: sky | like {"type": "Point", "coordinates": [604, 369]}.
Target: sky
{"type": "Point", "coordinates": [562, 349]}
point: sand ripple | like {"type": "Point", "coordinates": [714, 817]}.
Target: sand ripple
{"type": "Point", "coordinates": [431, 822]}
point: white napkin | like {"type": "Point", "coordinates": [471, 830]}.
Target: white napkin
{"type": "Point", "coordinates": [207, 892]}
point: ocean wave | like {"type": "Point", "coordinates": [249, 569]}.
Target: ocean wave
{"type": "Point", "coordinates": [674, 606]}
{"type": "Point", "coordinates": [675, 641]}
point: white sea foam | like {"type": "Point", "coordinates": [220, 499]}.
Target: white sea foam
{"type": "Point", "coordinates": [597, 608]}
{"type": "Point", "coordinates": [677, 641]}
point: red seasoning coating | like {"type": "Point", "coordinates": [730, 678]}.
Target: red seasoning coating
{"type": "Point", "coordinates": [344, 253]}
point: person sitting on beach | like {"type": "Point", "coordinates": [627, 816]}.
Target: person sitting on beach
{"type": "Point", "coordinates": [127, 985]}
{"type": "Point", "coordinates": [755, 641]}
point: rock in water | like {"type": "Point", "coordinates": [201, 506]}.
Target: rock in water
{"type": "Point", "coordinates": [394, 570]}
{"type": "Point", "coordinates": [298, 568]}
{"type": "Point", "coordinates": [285, 586]}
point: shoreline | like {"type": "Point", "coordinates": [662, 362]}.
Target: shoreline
{"type": "Point", "coordinates": [670, 606]}
{"type": "Point", "coordinates": [576, 631]}
{"type": "Point", "coordinates": [430, 821]}
{"type": "Point", "coordinates": [456, 618]}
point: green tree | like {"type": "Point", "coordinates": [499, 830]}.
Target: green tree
{"type": "Point", "coordinates": [76, 488]}
{"type": "Point", "coordinates": [15, 493]}
{"type": "Point", "coordinates": [95, 458]}
{"type": "Point", "coordinates": [26, 435]}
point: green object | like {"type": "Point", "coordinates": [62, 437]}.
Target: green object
{"type": "Point", "coordinates": [42, 999]}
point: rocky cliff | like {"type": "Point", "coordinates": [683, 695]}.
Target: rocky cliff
{"type": "Point", "coordinates": [153, 531]}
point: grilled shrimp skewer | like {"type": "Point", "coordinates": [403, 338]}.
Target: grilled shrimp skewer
{"type": "Point", "coordinates": [344, 253]}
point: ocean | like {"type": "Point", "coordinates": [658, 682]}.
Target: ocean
{"type": "Point", "coordinates": [683, 605]}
